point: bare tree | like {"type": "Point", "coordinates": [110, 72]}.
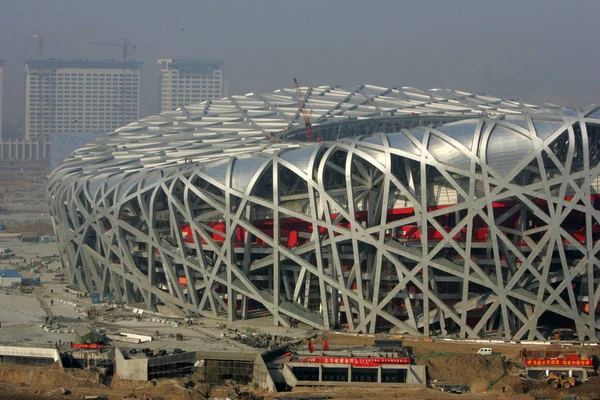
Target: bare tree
{"type": "Point", "coordinates": [205, 387]}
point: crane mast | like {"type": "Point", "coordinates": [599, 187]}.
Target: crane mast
{"type": "Point", "coordinates": [40, 37]}
{"type": "Point", "coordinates": [307, 116]}
{"type": "Point", "coordinates": [126, 49]}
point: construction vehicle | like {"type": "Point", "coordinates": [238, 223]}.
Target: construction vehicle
{"type": "Point", "coordinates": [558, 381]}
{"type": "Point", "coordinates": [563, 334]}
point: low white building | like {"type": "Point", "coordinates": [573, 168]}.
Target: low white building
{"type": "Point", "coordinates": [8, 277]}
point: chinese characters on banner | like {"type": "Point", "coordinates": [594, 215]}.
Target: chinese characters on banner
{"type": "Point", "coordinates": [557, 362]}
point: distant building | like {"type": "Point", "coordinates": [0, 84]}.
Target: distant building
{"type": "Point", "coordinates": [80, 96]}
{"type": "Point", "coordinates": [185, 82]}
{"type": "Point", "coordinates": [8, 277]}
{"type": "Point", "coordinates": [1, 64]}
{"type": "Point", "coordinates": [30, 238]}
{"type": "Point", "coordinates": [87, 335]}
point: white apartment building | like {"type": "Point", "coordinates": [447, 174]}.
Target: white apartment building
{"type": "Point", "coordinates": [1, 64]}
{"type": "Point", "coordinates": [80, 96]}
{"type": "Point", "coordinates": [185, 82]}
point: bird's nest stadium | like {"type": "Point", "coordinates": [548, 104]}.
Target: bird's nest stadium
{"type": "Point", "coordinates": [425, 212]}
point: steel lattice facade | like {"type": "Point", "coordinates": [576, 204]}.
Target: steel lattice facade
{"type": "Point", "coordinates": [425, 212]}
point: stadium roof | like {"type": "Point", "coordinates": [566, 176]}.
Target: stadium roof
{"type": "Point", "coordinates": [214, 130]}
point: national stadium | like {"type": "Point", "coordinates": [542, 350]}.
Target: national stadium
{"type": "Point", "coordinates": [421, 212]}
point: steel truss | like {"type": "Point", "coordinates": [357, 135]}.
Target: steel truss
{"type": "Point", "coordinates": [483, 226]}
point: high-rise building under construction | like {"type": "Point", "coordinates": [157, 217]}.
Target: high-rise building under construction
{"type": "Point", "coordinates": [1, 64]}
{"type": "Point", "coordinates": [185, 82]}
{"type": "Point", "coordinates": [80, 96]}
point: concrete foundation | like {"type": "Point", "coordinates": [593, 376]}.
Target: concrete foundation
{"type": "Point", "coordinates": [130, 369]}
{"type": "Point", "coordinates": [29, 355]}
{"type": "Point", "coordinates": [312, 374]}
{"type": "Point", "coordinates": [144, 369]}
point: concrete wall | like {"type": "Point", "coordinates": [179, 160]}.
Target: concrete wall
{"type": "Point", "coordinates": [289, 376]}
{"type": "Point", "coordinates": [416, 375]}
{"type": "Point", "coordinates": [29, 352]}
{"type": "Point", "coordinates": [141, 338]}
{"type": "Point", "coordinates": [261, 376]}
{"type": "Point", "coordinates": [124, 339]}
{"type": "Point", "coordinates": [133, 369]}
{"type": "Point", "coordinates": [7, 282]}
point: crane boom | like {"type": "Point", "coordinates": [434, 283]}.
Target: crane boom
{"type": "Point", "coordinates": [307, 116]}
{"type": "Point", "coordinates": [126, 47]}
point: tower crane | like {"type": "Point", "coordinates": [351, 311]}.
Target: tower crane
{"type": "Point", "coordinates": [126, 49]}
{"type": "Point", "coordinates": [41, 37]}
{"type": "Point", "coordinates": [307, 116]}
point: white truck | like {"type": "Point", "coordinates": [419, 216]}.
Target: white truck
{"type": "Point", "coordinates": [6, 253]}
{"type": "Point", "coordinates": [484, 351]}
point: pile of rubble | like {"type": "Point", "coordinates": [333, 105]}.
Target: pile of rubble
{"type": "Point", "coordinates": [52, 326]}
{"type": "Point", "coordinates": [258, 340]}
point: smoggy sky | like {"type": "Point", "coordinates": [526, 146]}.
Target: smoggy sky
{"type": "Point", "coordinates": [540, 51]}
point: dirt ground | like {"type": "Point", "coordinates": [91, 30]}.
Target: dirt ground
{"type": "Point", "coordinates": [23, 198]}
{"type": "Point", "coordinates": [463, 366]}
{"type": "Point", "coordinates": [374, 393]}
{"type": "Point", "coordinates": [37, 228]}
{"type": "Point", "coordinates": [23, 186]}
{"type": "Point", "coordinates": [420, 346]}
{"type": "Point", "coordinates": [29, 382]}
{"type": "Point", "coordinates": [34, 382]}
{"type": "Point", "coordinates": [22, 194]}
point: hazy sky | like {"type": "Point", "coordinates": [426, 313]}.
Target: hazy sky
{"type": "Point", "coordinates": [545, 50]}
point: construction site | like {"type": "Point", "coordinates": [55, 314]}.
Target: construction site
{"type": "Point", "coordinates": [111, 290]}
{"type": "Point", "coordinates": [298, 201]}
{"type": "Point", "coordinates": [57, 342]}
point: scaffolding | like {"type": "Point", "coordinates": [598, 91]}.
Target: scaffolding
{"type": "Point", "coordinates": [223, 370]}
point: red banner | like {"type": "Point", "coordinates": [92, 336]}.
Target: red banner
{"type": "Point", "coordinates": [357, 362]}
{"type": "Point", "coordinates": [87, 346]}
{"type": "Point", "coordinates": [557, 362]}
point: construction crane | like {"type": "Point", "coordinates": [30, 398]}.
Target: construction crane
{"type": "Point", "coordinates": [307, 116]}
{"type": "Point", "coordinates": [41, 37]}
{"type": "Point", "coordinates": [40, 100]}
{"type": "Point", "coordinates": [126, 49]}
